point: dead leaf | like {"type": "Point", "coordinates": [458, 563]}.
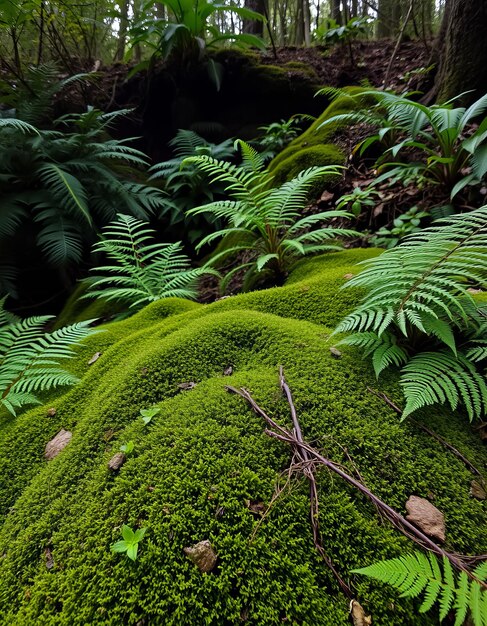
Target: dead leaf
{"type": "Point", "coordinates": [378, 209]}
{"type": "Point", "coordinates": [187, 386]}
{"type": "Point", "coordinates": [51, 412]}
{"type": "Point", "coordinates": [358, 614]}
{"type": "Point", "coordinates": [57, 444]}
{"type": "Point", "coordinates": [94, 358]}
{"type": "Point", "coordinates": [477, 490]}
{"type": "Point", "coordinates": [473, 291]}
{"type": "Point", "coordinates": [335, 353]}
{"type": "Point", "coordinates": [228, 371]}
{"type": "Point", "coordinates": [326, 196]}
{"type": "Point", "coordinates": [426, 517]}
{"type": "Point", "coordinates": [348, 276]}
{"type": "Point", "coordinates": [202, 555]}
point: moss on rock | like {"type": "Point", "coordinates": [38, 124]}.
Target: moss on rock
{"type": "Point", "coordinates": [299, 159]}
{"type": "Point", "coordinates": [204, 456]}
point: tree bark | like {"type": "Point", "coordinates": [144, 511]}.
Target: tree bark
{"type": "Point", "coordinates": [254, 27]}
{"type": "Point", "coordinates": [122, 34]}
{"type": "Point", "coordinates": [335, 11]}
{"type": "Point", "coordinates": [460, 51]}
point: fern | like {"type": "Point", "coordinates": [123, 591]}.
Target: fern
{"type": "Point", "coordinates": [143, 271]}
{"type": "Point", "coordinates": [418, 293]}
{"type": "Point", "coordinates": [419, 574]}
{"type": "Point", "coordinates": [30, 357]}
{"type": "Point", "coordinates": [65, 186]}
{"type": "Point", "coordinates": [266, 221]}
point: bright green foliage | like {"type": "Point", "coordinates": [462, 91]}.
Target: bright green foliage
{"type": "Point", "coordinates": [127, 448]}
{"type": "Point", "coordinates": [143, 271]}
{"type": "Point", "coordinates": [130, 542]}
{"type": "Point", "coordinates": [186, 184]}
{"type": "Point", "coordinates": [66, 185]}
{"type": "Point", "coordinates": [419, 313]}
{"type": "Point", "coordinates": [267, 221]}
{"type": "Point", "coordinates": [406, 224]}
{"type": "Point", "coordinates": [148, 414]}
{"type": "Point", "coordinates": [358, 200]}
{"type": "Point", "coordinates": [189, 30]}
{"type": "Point", "coordinates": [205, 455]}
{"type": "Point", "coordinates": [29, 358]}
{"type": "Point", "coordinates": [416, 574]}
{"type": "Point", "coordinates": [437, 132]}
{"type": "Point", "coordinates": [278, 135]}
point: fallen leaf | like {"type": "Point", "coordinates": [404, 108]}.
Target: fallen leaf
{"type": "Point", "coordinates": [228, 371]}
{"type": "Point", "coordinates": [474, 291]}
{"type": "Point", "coordinates": [426, 517]}
{"type": "Point", "coordinates": [326, 196]}
{"type": "Point", "coordinates": [358, 614]}
{"type": "Point", "coordinates": [51, 412]}
{"type": "Point", "coordinates": [94, 358]}
{"type": "Point", "coordinates": [202, 555]}
{"type": "Point", "coordinates": [348, 276]}
{"type": "Point", "coordinates": [477, 490]}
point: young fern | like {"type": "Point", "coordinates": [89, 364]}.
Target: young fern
{"type": "Point", "coordinates": [30, 357]}
{"type": "Point", "coordinates": [143, 271]}
{"type": "Point", "coordinates": [266, 222]}
{"type": "Point", "coordinates": [417, 573]}
{"type": "Point", "coordinates": [417, 295]}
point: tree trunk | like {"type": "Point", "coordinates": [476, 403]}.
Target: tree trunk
{"type": "Point", "coordinates": [122, 34]}
{"type": "Point", "coordinates": [254, 27]}
{"type": "Point", "coordinates": [461, 52]}
{"type": "Point", "coordinates": [389, 12]}
{"type": "Point", "coordinates": [299, 40]}
{"type": "Point", "coordinates": [335, 11]}
{"type": "Point", "coordinates": [307, 23]}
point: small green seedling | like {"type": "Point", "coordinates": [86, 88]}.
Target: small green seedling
{"type": "Point", "coordinates": [130, 542]}
{"type": "Point", "coordinates": [148, 414]}
{"type": "Point", "coordinates": [127, 448]}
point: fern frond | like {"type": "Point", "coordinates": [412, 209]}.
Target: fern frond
{"type": "Point", "coordinates": [416, 574]}
{"type": "Point", "coordinates": [439, 377]}
{"type": "Point", "coordinates": [143, 271]}
{"type": "Point", "coordinates": [30, 357]}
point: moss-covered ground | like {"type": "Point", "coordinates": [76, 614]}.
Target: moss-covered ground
{"type": "Point", "coordinates": [204, 456]}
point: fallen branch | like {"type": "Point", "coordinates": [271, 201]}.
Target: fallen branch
{"type": "Point", "coordinates": [309, 456]}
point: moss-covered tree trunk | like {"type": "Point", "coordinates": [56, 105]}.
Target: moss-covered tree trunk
{"type": "Point", "coordinates": [461, 51]}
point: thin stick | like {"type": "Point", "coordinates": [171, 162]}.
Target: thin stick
{"type": "Point", "coordinates": [430, 432]}
{"type": "Point", "coordinates": [397, 520]}
{"type": "Point", "coordinates": [398, 43]}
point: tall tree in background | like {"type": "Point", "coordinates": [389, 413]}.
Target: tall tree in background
{"type": "Point", "coordinates": [255, 27]}
{"type": "Point", "coordinates": [461, 52]}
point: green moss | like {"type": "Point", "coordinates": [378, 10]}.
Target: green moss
{"type": "Point", "coordinates": [316, 135]}
{"type": "Point", "coordinates": [205, 455]}
{"type": "Point", "coordinates": [299, 159]}
{"type": "Point", "coordinates": [302, 68]}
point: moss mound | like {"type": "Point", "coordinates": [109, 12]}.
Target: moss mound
{"type": "Point", "coordinates": [299, 159]}
{"type": "Point", "coordinates": [204, 457]}
{"type": "Point", "coordinates": [313, 147]}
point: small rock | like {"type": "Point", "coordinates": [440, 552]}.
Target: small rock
{"type": "Point", "coordinates": [94, 358]}
{"type": "Point", "coordinates": [187, 386]}
{"type": "Point", "coordinates": [49, 558]}
{"type": "Point", "coordinates": [335, 353]}
{"type": "Point", "coordinates": [358, 614]}
{"type": "Point", "coordinates": [202, 555]}
{"type": "Point", "coordinates": [426, 517]}
{"type": "Point", "coordinates": [348, 276]}
{"type": "Point", "coordinates": [326, 196]}
{"type": "Point", "coordinates": [51, 412]}
{"type": "Point", "coordinates": [116, 462]}
{"type": "Point", "coordinates": [228, 371]}
{"type": "Point", "coordinates": [57, 444]}
{"type": "Point", "coordinates": [477, 490]}
{"type": "Point", "coordinates": [474, 292]}
{"type": "Point", "coordinates": [255, 507]}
